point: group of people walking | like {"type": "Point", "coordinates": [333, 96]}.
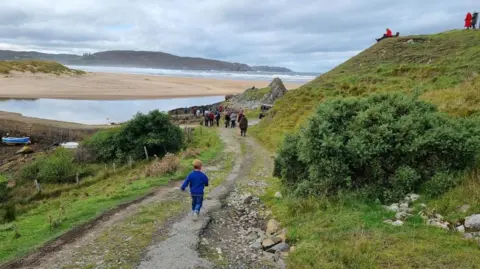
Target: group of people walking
{"type": "Point", "coordinates": [231, 120]}
{"type": "Point", "coordinates": [471, 20]}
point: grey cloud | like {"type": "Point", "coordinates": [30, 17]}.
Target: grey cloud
{"type": "Point", "coordinates": [305, 35]}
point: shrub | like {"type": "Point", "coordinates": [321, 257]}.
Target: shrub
{"type": "Point", "coordinates": [169, 164]}
{"type": "Point", "coordinates": [58, 167]}
{"type": "Point", "coordinates": [4, 195]}
{"type": "Point", "coordinates": [10, 213]}
{"type": "Point", "coordinates": [389, 144]}
{"type": "Point", "coordinates": [153, 130]}
{"type": "Point", "coordinates": [441, 183]}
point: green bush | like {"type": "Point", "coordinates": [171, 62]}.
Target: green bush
{"type": "Point", "coordinates": [4, 195]}
{"type": "Point", "coordinates": [386, 144]}
{"type": "Point", "coordinates": [441, 183]}
{"type": "Point", "coordinates": [10, 213]}
{"type": "Point", "coordinates": [58, 167]}
{"type": "Point", "coordinates": [153, 130]}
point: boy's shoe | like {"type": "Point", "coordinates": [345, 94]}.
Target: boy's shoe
{"type": "Point", "coordinates": [195, 215]}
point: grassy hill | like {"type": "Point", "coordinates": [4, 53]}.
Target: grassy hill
{"type": "Point", "coordinates": [6, 67]}
{"type": "Point", "coordinates": [442, 67]}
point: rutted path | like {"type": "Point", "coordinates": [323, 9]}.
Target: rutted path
{"type": "Point", "coordinates": [119, 240]}
{"type": "Point", "coordinates": [179, 251]}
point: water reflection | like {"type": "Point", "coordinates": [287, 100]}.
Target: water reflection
{"type": "Point", "coordinates": [97, 112]}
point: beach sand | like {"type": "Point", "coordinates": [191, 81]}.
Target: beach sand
{"type": "Point", "coordinates": [112, 86]}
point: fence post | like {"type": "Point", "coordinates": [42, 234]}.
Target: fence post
{"type": "Point", "coordinates": [76, 178]}
{"type": "Point", "coordinates": [146, 152]}
{"type": "Point", "coordinates": [130, 162]}
{"type": "Point", "coordinates": [114, 168]}
{"type": "Point", "coordinates": [37, 185]}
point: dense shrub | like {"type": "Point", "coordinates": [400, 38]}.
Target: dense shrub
{"type": "Point", "coordinates": [168, 164]}
{"type": "Point", "coordinates": [4, 192]}
{"type": "Point", "coordinates": [387, 144]}
{"type": "Point", "coordinates": [153, 130]}
{"type": "Point", "coordinates": [10, 213]}
{"type": "Point", "coordinates": [58, 167]}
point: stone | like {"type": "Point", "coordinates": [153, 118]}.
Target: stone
{"type": "Point", "coordinates": [246, 198]}
{"type": "Point", "coordinates": [278, 195]}
{"type": "Point", "coordinates": [464, 208]}
{"type": "Point", "coordinates": [282, 247]}
{"type": "Point", "coordinates": [219, 251]}
{"type": "Point", "coordinates": [438, 224]}
{"type": "Point", "coordinates": [256, 245]}
{"type": "Point", "coordinates": [422, 205]}
{"type": "Point", "coordinates": [472, 223]}
{"type": "Point", "coordinates": [293, 248]}
{"type": "Point", "coordinates": [403, 206]}
{"type": "Point", "coordinates": [268, 242]}
{"type": "Point", "coordinates": [25, 150]}
{"type": "Point", "coordinates": [460, 228]}
{"type": "Point", "coordinates": [272, 227]}
{"type": "Point", "coordinates": [277, 239]}
{"type": "Point", "coordinates": [468, 236]}
{"type": "Point", "coordinates": [401, 215]}
{"type": "Point", "coordinates": [412, 197]}
{"type": "Point", "coordinates": [393, 207]}
{"type": "Point", "coordinates": [397, 223]}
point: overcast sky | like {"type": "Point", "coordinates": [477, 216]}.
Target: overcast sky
{"type": "Point", "coordinates": [304, 35]}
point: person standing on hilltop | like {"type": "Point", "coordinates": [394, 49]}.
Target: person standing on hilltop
{"type": "Point", "coordinates": [197, 181]}
{"type": "Point", "coordinates": [474, 20]}
{"type": "Point", "coordinates": [468, 20]}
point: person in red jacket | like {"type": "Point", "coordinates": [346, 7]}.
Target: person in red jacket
{"type": "Point", "coordinates": [388, 34]}
{"type": "Point", "coordinates": [468, 20]}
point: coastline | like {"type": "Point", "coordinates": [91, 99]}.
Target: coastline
{"type": "Point", "coordinates": [116, 86]}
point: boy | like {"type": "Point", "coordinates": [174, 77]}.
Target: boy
{"type": "Point", "coordinates": [197, 181]}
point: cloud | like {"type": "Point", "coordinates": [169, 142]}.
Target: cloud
{"type": "Point", "coordinates": [305, 35]}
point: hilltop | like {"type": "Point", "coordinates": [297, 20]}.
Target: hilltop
{"type": "Point", "coordinates": [142, 59]}
{"type": "Point", "coordinates": [6, 67]}
{"type": "Point", "coordinates": [442, 67]}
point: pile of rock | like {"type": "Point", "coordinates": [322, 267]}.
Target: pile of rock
{"type": "Point", "coordinates": [402, 209]}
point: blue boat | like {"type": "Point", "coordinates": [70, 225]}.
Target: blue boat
{"type": "Point", "coordinates": [16, 140]}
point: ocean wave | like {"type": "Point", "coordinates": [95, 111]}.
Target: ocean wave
{"type": "Point", "coordinates": [254, 75]}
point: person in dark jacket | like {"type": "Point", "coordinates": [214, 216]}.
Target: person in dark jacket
{"type": "Point", "coordinates": [243, 124]}
{"type": "Point", "coordinates": [217, 118]}
{"type": "Point", "coordinates": [227, 119]}
{"type": "Point", "coordinates": [474, 20]}
{"type": "Point", "coordinates": [197, 181]}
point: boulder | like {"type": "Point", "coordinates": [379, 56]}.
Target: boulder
{"type": "Point", "coordinates": [25, 150]}
{"type": "Point", "coordinates": [282, 247]}
{"type": "Point", "coordinates": [392, 207]}
{"type": "Point", "coordinates": [278, 90]}
{"type": "Point", "coordinates": [460, 228]}
{"type": "Point", "coordinates": [268, 242]}
{"type": "Point", "coordinates": [272, 227]}
{"type": "Point", "coordinates": [256, 245]}
{"type": "Point", "coordinates": [278, 195]}
{"type": "Point", "coordinates": [472, 223]}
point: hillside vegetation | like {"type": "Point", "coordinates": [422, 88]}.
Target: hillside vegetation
{"type": "Point", "coordinates": [6, 67]}
{"type": "Point", "coordinates": [438, 66]}
{"type": "Point", "coordinates": [400, 117]}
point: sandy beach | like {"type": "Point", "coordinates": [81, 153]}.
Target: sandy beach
{"type": "Point", "coordinates": [112, 86]}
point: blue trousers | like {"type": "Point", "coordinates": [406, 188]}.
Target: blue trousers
{"type": "Point", "coordinates": [197, 202]}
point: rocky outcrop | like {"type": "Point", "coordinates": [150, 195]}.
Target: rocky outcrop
{"type": "Point", "coordinates": [271, 69]}
{"type": "Point", "coordinates": [278, 90]}
{"type": "Point", "coordinates": [254, 97]}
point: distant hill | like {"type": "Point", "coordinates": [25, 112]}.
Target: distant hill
{"type": "Point", "coordinates": [142, 59]}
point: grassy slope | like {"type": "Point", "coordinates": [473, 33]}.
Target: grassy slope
{"type": "Point", "coordinates": [438, 65]}
{"type": "Point", "coordinates": [348, 232]}
{"type": "Point", "coordinates": [96, 195]}
{"type": "Point", "coordinates": [37, 67]}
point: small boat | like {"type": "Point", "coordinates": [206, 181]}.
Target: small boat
{"type": "Point", "coordinates": [16, 140]}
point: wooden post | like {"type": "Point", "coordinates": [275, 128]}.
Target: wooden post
{"type": "Point", "coordinates": [114, 168]}
{"type": "Point", "coordinates": [130, 161]}
{"type": "Point", "coordinates": [105, 166]}
{"type": "Point", "coordinates": [37, 185]}
{"type": "Point", "coordinates": [76, 178]}
{"type": "Point", "coordinates": [146, 152]}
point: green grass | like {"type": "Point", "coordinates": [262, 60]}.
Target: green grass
{"type": "Point", "coordinates": [446, 62]}
{"type": "Point", "coordinates": [33, 66]}
{"type": "Point", "coordinates": [97, 194]}
{"type": "Point", "coordinates": [348, 232]}
{"type": "Point", "coordinates": [3, 178]}
{"type": "Point", "coordinates": [256, 94]}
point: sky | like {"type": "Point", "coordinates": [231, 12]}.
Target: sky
{"type": "Point", "coordinates": [303, 35]}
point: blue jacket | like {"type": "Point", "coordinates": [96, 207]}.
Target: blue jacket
{"type": "Point", "coordinates": [197, 181]}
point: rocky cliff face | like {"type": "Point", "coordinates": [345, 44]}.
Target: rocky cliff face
{"type": "Point", "coordinates": [254, 97]}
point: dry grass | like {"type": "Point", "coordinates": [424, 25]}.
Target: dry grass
{"type": "Point", "coordinates": [6, 67]}
{"type": "Point", "coordinates": [167, 165]}
{"type": "Point", "coordinates": [190, 153]}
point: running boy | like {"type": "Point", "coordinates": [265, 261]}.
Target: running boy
{"type": "Point", "coordinates": [197, 181]}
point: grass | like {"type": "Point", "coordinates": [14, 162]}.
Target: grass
{"type": "Point", "coordinates": [76, 205]}
{"type": "Point", "coordinates": [438, 66]}
{"type": "Point", "coordinates": [6, 67]}
{"type": "Point", "coordinates": [256, 94]}
{"type": "Point", "coordinates": [348, 232]}
{"type": "Point", "coordinates": [3, 178]}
